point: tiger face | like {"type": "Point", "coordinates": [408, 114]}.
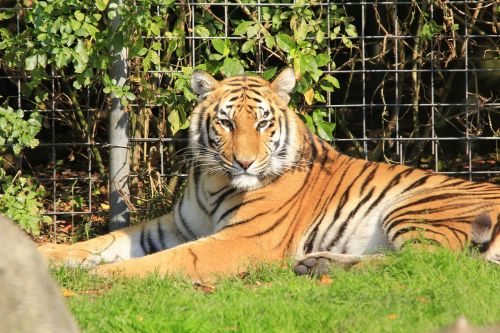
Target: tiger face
{"type": "Point", "coordinates": [242, 127]}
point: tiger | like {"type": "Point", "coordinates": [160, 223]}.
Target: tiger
{"type": "Point", "coordinates": [262, 187]}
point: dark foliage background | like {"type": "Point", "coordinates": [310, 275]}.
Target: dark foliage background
{"type": "Point", "coordinates": [402, 82]}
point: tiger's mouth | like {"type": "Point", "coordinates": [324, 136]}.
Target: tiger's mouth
{"type": "Point", "coordinates": [246, 181]}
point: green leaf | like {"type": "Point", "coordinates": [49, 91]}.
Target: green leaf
{"type": "Point", "coordinates": [30, 62]}
{"type": "Point", "coordinates": [318, 115]}
{"type": "Point", "coordinates": [130, 96]}
{"type": "Point", "coordinates": [101, 4]}
{"type": "Point", "coordinates": [350, 30]}
{"type": "Point", "coordinates": [42, 59]}
{"type": "Point", "coordinates": [201, 31]}
{"type": "Point", "coordinates": [232, 67]}
{"type": "Point", "coordinates": [77, 85]}
{"type": "Point", "coordinates": [253, 30]}
{"type": "Point", "coordinates": [285, 42]}
{"type": "Point", "coordinates": [174, 121]}
{"type": "Point", "coordinates": [248, 46]}
{"type": "Point", "coordinates": [270, 42]}
{"type": "Point", "coordinates": [347, 42]}
{"type": "Point", "coordinates": [325, 130]}
{"type": "Point", "coordinates": [242, 28]}
{"type": "Point", "coordinates": [322, 59]}
{"type": "Point", "coordinates": [156, 46]}
{"type": "Point", "coordinates": [7, 14]}
{"type": "Point", "coordinates": [219, 45]}
{"type": "Point", "coordinates": [333, 81]}
{"type": "Point", "coordinates": [269, 73]}
{"type": "Point", "coordinates": [320, 36]}
{"type": "Point", "coordinates": [111, 14]}
{"type": "Point", "coordinates": [215, 56]}
{"type": "Point", "coordinates": [309, 122]}
{"type": "Point", "coordinates": [79, 16]}
{"type": "Point", "coordinates": [138, 49]}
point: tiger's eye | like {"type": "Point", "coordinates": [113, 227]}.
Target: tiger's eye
{"type": "Point", "coordinates": [226, 123]}
{"type": "Point", "coordinates": [263, 124]}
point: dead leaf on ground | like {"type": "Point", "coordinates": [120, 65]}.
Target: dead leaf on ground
{"type": "Point", "coordinates": [324, 280]}
{"type": "Point", "coordinates": [423, 299]}
{"type": "Point", "coordinates": [392, 316]}
{"type": "Point", "coordinates": [68, 292]}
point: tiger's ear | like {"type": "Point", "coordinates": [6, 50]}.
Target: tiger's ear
{"type": "Point", "coordinates": [284, 83]}
{"type": "Point", "coordinates": [203, 83]}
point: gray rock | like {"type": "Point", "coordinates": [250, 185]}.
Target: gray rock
{"type": "Point", "coordinates": [30, 301]}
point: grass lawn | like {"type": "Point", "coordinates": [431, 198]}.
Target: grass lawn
{"type": "Point", "coordinates": [411, 291]}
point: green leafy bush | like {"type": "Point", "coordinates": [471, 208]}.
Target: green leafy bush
{"type": "Point", "coordinates": [74, 39]}
{"type": "Point", "coordinates": [21, 196]}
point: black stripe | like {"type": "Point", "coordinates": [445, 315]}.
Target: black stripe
{"type": "Point", "coordinates": [297, 216]}
{"type": "Point", "coordinates": [237, 206]}
{"type": "Point", "coordinates": [196, 179]}
{"type": "Point", "coordinates": [271, 228]}
{"type": "Point", "coordinates": [417, 183]}
{"type": "Point", "coordinates": [183, 222]}
{"type": "Point", "coordinates": [251, 85]}
{"type": "Point", "coordinates": [237, 84]}
{"type": "Point", "coordinates": [409, 229]}
{"type": "Point", "coordinates": [143, 242]}
{"type": "Point", "coordinates": [368, 179]}
{"type": "Point", "coordinates": [211, 141]}
{"type": "Point", "coordinates": [314, 150]}
{"type": "Point", "coordinates": [234, 224]}
{"type": "Point", "coordinates": [218, 191]}
{"type": "Point", "coordinates": [343, 227]}
{"type": "Point", "coordinates": [287, 137]}
{"type": "Point", "coordinates": [308, 245]}
{"type": "Point", "coordinates": [285, 215]}
{"type": "Point", "coordinates": [161, 236]}
{"type": "Point", "coordinates": [390, 225]}
{"type": "Point", "coordinates": [345, 196]}
{"type": "Point", "coordinates": [471, 209]}
{"type": "Point", "coordinates": [424, 200]}
{"type": "Point", "coordinates": [394, 181]}
{"type": "Point", "coordinates": [151, 244]}
{"type": "Point", "coordinates": [329, 199]}
{"type": "Point", "coordinates": [220, 199]}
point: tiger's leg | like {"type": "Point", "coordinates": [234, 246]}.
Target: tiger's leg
{"type": "Point", "coordinates": [319, 263]}
{"type": "Point", "coordinates": [222, 254]}
{"type": "Point", "coordinates": [136, 241]}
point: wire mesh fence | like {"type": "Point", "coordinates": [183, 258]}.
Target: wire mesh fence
{"type": "Point", "coordinates": [415, 83]}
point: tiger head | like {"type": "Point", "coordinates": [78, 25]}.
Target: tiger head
{"type": "Point", "coordinates": [243, 129]}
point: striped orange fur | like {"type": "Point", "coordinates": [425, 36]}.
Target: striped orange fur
{"type": "Point", "coordinates": [262, 187]}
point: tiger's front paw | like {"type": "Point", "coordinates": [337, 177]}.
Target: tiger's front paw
{"type": "Point", "coordinates": [319, 263]}
{"type": "Point", "coordinates": [68, 255]}
{"type": "Point", "coordinates": [312, 266]}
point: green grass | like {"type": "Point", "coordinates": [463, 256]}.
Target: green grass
{"type": "Point", "coordinates": [411, 291]}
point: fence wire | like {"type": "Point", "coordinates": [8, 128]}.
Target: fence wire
{"type": "Point", "coordinates": [429, 101]}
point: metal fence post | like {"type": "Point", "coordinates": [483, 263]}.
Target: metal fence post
{"type": "Point", "coordinates": [119, 164]}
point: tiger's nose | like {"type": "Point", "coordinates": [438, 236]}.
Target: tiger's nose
{"type": "Point", "coordinates": [244, 163]}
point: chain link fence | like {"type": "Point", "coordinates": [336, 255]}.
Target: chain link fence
{"type": "Point", "coordinates": [415, 83]}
